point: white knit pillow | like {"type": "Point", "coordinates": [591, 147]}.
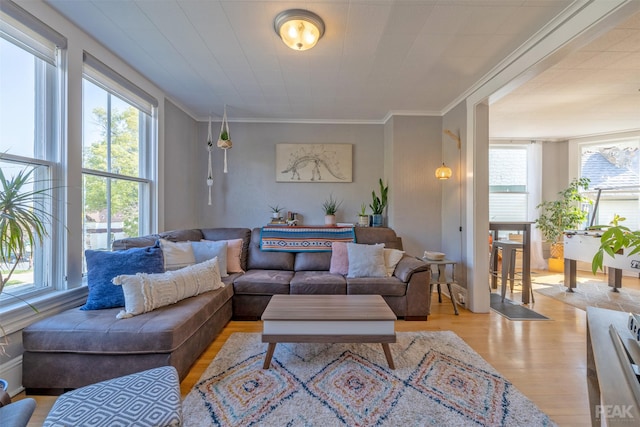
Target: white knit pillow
{"type": "Point", "coordinates": [145, 292]}
{"type": "Point", "coordinates": [366, 260]}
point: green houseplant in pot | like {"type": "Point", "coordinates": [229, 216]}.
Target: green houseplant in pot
{"type": "Point", "coordinates": [275, 211]}
{"type": "Point", "coordinates": [378, 204]}
{"type": "Point", "coordinates": [614, 240]}
{"type": "Point", "coordinates": [330, 207]}
{"type": "Point", "coordinates": [363, 218]}
{"type": "Point", "coordinates": [564, 213]}
{"type": "Point", "coordinates": [24, 217]}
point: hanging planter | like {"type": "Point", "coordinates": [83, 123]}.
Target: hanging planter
{"type": "Point", "coordinates": [224, 140]}
{"type": "Point", "coordinates": [210, 169]}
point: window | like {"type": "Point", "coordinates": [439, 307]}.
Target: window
{"type": "Point", "coordinates": [508, 193]}
{"type": "Point", "coordinates": [613, 167]}
{"type": "Point", "coordinates": [117, 141]}
{"type": "Point", "coordinates": [30, 123]}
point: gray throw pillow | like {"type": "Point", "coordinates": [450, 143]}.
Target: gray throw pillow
{"type": "Point", "coordinates": [205, 250]}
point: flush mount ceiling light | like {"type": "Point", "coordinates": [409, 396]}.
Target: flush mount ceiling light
{"type": "Point", "coordinates": [299, 29]}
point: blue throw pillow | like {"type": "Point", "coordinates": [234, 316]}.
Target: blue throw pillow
{"type": "Point", "coordinates": [103, 266]}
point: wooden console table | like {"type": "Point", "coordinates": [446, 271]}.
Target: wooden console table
{"type": "Point", "coordinates": [614, 395]}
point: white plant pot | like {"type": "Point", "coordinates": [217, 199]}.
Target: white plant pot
{"type": "Point", "coordinates": [330, 220]}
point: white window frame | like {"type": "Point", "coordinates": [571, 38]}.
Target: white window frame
{"type": "Point", "coordinates": [101, 75]}
{"type": "Point", "coordinates": [36, 38]}
{"type": "Point", "coordinates": [526, 193]}
{"type": "Point", "coordinates": [575, 160]}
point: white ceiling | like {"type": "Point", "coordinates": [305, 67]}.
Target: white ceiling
{"type": "Point", "coordinates": [594, 90]}
{"type": "Point", "coordinates": [377, 57]}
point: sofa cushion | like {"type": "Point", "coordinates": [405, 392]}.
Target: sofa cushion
{"type": "Point", "coordinates": [385, 286]}
{"type": "Point", "coordinates": [265, 260]}
{"type": "Point", "coordinates": [193, 235]}
{"type": "Point", "coordinates": [176, 255]}
{"type": "Point", "coordinates": [159, 331]}
{"type": "Point", "coordinates": [371, 235]}
{"type": "Point", "coordinates": [103, 266]}
{"type": "Point", "coordinates": [146, 292]}
{"type": "Point", "coordinates": [312, 261]}
{"type": "Point", "coordinates": [409, 265]}
{"type": "Point", "coordinates": [366, 260]}
{"type": "Point", "coordinates": [318, 282]}
{"type": "Point", "coordinates": [135, 242]}
{"type": "Point", "coordinates": [205, 250]}
{"type": "Point", "coordinates": [263, 282]}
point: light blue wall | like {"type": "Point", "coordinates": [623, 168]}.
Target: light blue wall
{"type": "Point", "coordinates": [404, 152]}
{"type": "Point", "coordinates": [241, 198]}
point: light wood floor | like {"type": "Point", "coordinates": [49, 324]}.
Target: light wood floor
{"type": "Point", "coordinates": [545, 360]}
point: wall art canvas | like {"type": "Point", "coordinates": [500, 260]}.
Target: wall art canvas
{"type": "Point", "coordinates": [313, 162]}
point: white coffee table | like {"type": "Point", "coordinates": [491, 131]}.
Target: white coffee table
{"type": "Point", "coordinates": [328, 318]}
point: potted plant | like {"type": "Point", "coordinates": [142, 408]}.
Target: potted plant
{"type": "Point", "coordinates": [275, 211]}
{"type": "Point", "coordinates": [562, 214]}
{"type": "Point", "coordinates": [363, 218]}
{"type": "Point", "coordinates": [616, 239]}
{"type": "Point", "coordinates": [330, 207]}
{"type": "Point", "coordinates": [378, 204]}
{"type": "Point", "coordinates": [24, 217]}
{"type": "Point", "coordinates": [224, 138]}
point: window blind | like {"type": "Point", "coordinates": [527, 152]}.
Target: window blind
{"type": "Point", "coordinates": [110, 80]}
{"type": "Point", "coordinates": [25, 30]}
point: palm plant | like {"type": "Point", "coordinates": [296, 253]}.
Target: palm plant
{"type": "Point", "coordinates": [23, 222]}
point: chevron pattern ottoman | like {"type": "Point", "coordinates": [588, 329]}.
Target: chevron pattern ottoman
{"type": "Point", "coordinates": [147, 398]}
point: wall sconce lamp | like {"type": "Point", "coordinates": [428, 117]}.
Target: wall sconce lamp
{"type": "Point", "coordinates": [299, 29]}
{"type": "Point", "coordinates": [444, 172]}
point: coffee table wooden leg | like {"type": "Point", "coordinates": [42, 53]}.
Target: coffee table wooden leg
{"type": "Point", "coordinates": [267, 358]}
{"type": "Point", "coordinates": [387, 353]}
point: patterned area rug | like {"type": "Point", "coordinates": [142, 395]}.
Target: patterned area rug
{"type": "Point", "coordinates": [439, 380]}
{"type": "Point", "coordinates": [589, 292]}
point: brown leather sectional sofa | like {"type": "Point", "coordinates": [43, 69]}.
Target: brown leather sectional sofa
{"type": "Point", "coordinates": [75, 348]}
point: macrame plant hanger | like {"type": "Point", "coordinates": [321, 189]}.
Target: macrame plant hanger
{"type": "Point", "coordinates": [210, 170]}
{"type": "Point", "coordinates": [224, 140]}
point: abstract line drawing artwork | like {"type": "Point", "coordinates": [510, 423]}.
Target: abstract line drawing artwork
{"type": "Point", "coordinates": [313, 162]}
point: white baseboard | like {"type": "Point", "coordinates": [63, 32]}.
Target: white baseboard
{"type": "Point", "coordinates": [12, 372]}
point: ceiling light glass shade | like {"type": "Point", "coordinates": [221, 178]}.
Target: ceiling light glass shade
{"type": "Point", "coordinates": [443, 172]}
{"type": "Point", "coordinates": [299, 29]}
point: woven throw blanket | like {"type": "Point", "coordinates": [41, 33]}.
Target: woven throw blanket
{"type": "Point", "coordinates": [304, 239]}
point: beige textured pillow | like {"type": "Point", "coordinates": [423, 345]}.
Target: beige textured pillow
{"type": "Point", "coordinates": [391, 258]}
{"type": "Point", "coordinates": [177, 254]}
{"type": "Point", "coordinates": [145, 292]}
